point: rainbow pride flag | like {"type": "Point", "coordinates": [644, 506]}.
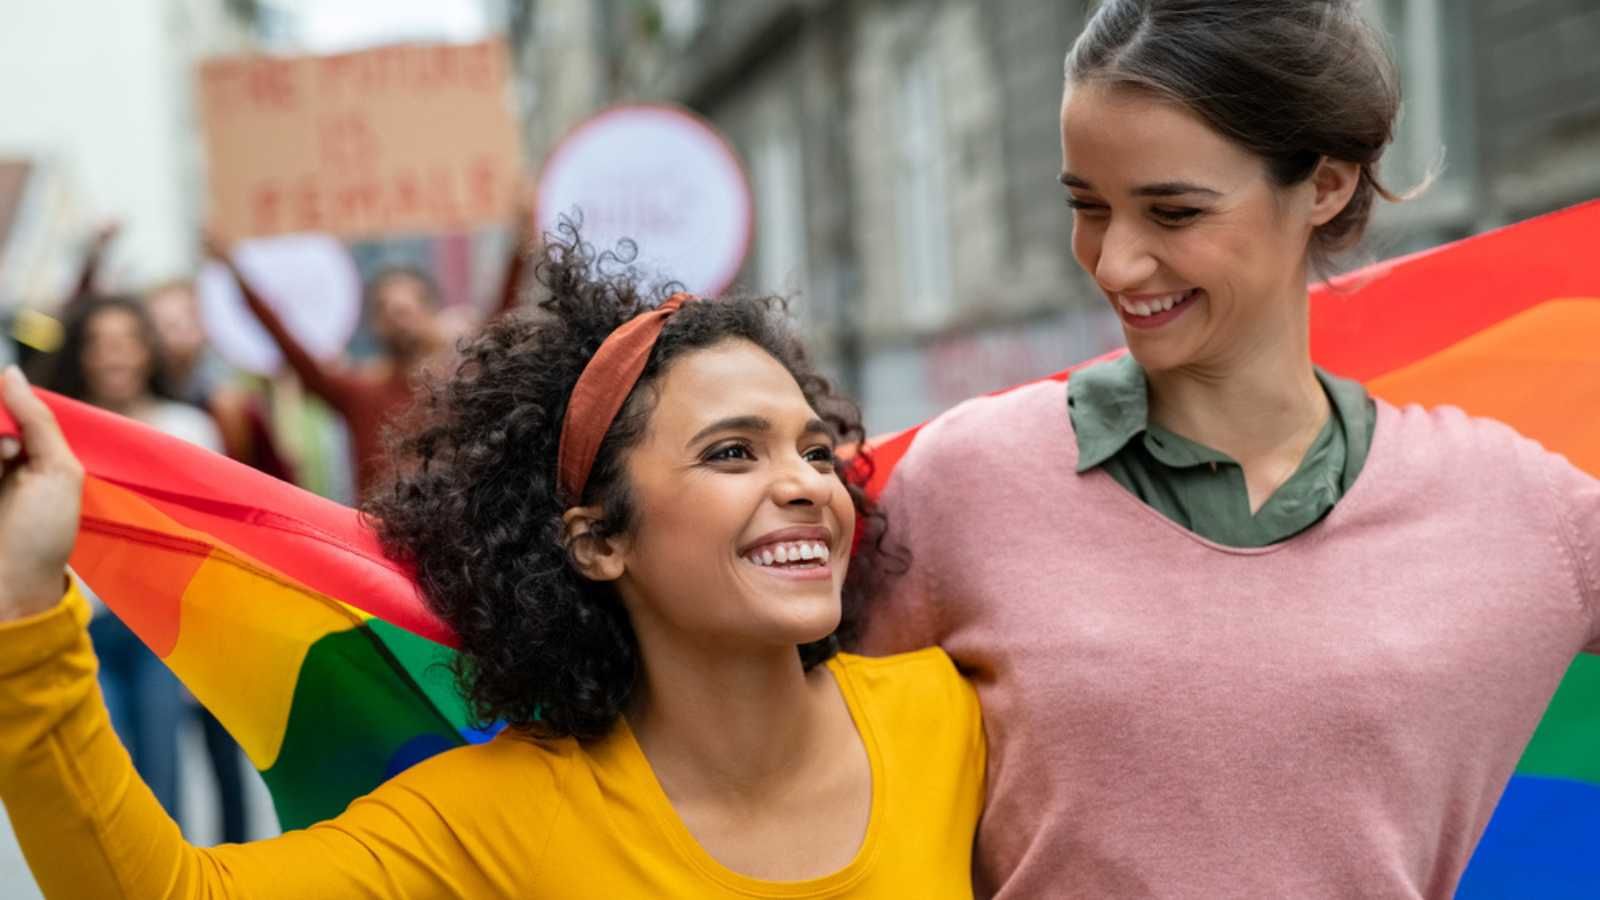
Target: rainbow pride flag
{"type": "Point", "coordinates": [279, 612]}
{"type": "Point", "coordinates": [275, 607]}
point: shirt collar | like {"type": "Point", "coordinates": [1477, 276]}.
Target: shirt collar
{"type": "Point", "coordinates": [1109, 406]}
{"type": "Point", "coordinates": [1354, 413]}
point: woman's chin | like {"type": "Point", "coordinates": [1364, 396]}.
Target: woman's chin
{"type": "Point", "coordinates": [1156, 355]}
{"type": "Point", "coordinates": [119, 395]}
{"type": "Point", "coordinates": [805, 626]}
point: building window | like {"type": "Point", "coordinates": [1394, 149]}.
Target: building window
{"type": "Point", "coordinates": [921, 213]}
{"type": "Point", "coordinates": [681, 20]}
{"type": "Point", "coordinates": [777, 168]}
{"type": "Point", "coordinates": [1436, 124]}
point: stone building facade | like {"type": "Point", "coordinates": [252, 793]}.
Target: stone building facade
{"type": "Point", "coordinates": [904, 153]}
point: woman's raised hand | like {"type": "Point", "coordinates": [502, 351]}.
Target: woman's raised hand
{"type": "Point", "coordinates": [41, 493]}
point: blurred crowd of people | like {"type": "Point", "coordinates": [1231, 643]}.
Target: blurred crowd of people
{"type": "Point", "coordinates": [146, 356]}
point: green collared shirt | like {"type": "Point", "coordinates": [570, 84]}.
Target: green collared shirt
{"type": "Point", "coordinates": [1198, 487]}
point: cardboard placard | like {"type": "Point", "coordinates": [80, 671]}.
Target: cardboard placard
{"type": "Point", "coordinates": [403, 139]}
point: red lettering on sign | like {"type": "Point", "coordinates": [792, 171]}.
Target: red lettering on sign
{"type": "Point", "coordinates": [266, 208]}
{"type": "Point", "coordinates": [387, 70]}
{"type": "Point", "coordinates": [271, 84]}
{"type": "Point", "coordinates": [396, 139]}
{"type": "Point", "coordinates": [306, 205]}
{"type": "Point", "coordinates": [406, 202]}
{"type": "Point", "coordinates": [358, 204]}
{"type": "Point", "coordinates": [222, 85]}
{"type": "Point", "coordinates": [451, 196]}
{"type": "Point", "coordinates": [483, 186]}
{"type": "Point", "coordinates": [480, 69]}
{"type": "Point", "coordinates": [347, 143]}
{"type": "Point", "coordinates": [447, 65]}
{"type": "Point", "coordinates": [334, 73]}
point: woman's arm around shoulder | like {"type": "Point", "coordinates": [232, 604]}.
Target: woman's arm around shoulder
{"type": "Point", "coordinates": [1533, 488]}
{"type": "Point", "coordinates": [956, 461]}
{"type": "Point", "coordinates": [922, 700]}
{"type": "Point", "coordinates": [1577, 497]}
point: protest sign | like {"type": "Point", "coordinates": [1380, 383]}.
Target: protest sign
{"type": "Point", "coordinates": [401, 139]}
{"type": "Point", "coordinates": [309, 280]}
{"type": "Point", "coordinates": [662, 178]}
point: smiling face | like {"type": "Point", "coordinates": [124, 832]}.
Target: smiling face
{"type": "Point", "coordinates": [175, 313]}
{"type": "Point", "coordinates": [742, 528]}
{"type": "Point", "coordinates": [1199, 252]}
{"type": "Point", "coordinates": [403, 316]}
{"type": "Point", "coordinates": [117, 358]}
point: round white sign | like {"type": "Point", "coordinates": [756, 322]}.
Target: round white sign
{"type": "Point", "coordinates": [661, 177]}
{"type": "Point", "coordinates": [309, 280]}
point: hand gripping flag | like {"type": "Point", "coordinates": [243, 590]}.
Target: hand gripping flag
{"type": "Point", "coordinates": [275, 608]}
{"type": "Point", "coordinates": [279, 612]}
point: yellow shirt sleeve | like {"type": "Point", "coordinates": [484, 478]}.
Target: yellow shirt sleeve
{"type": "Point", "coordinates": [511, 818]}
{"type": "Point", "coordinates": [90, 828]}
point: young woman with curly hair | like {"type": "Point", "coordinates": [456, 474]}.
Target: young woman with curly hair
{"type": "Point", "coordinates": [633, 517]}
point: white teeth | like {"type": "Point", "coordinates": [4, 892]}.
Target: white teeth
{"type": "Point", "coordinates": [781, 554]}
{"type": "Point", "coordinates": [1151, 307]}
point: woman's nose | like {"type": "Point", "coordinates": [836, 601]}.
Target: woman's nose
{"type": "Point", "coordinates": [1125, 262]}
{"type": "Point", "coordinates": [801, 483]}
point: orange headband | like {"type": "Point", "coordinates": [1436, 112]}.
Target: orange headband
{"type": "Point", "coordinates": [601, 390]}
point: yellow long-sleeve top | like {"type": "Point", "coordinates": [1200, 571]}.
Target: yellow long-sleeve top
{"type": "Point", "coordinates": [510, 818]}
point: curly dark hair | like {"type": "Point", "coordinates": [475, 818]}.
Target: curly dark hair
{"type": "Point", "coordinates": [473, 504]}
{"type": "Point", "coordinates": [63, 372]}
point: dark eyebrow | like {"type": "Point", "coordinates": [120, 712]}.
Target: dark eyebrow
{"type": "Point", "coordinates": [818, 427]}
{"type": "Point", "coordinates": [1173, 189]}
{"type": "Point", "coordinates": [756, 424]}
{"type": "Point", "coordinates": [1159, 189]}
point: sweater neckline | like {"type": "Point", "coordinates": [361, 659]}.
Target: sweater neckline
{"type": "Point", "coordinates": [1377, 460]}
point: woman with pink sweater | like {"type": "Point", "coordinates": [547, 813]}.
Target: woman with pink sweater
{"type": "Point", "coordinates": [1238, 629]}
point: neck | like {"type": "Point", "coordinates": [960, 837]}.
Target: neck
{"type": "Point", "coordinates": [179, 368]}
{"type": "Point", "coordinates": [129, 408]}
{"type": "Point", "coordinates": [404, 360]}
{"type": "Point", "coordinates": [1258, 402]}
{"type": "Point", "coordinates": [413, 357]}
{"type": "Point", "coordinates": [730, 725]}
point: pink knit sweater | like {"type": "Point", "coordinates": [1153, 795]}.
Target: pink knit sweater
{"type": "Point", "coordinates": [1333, 716]}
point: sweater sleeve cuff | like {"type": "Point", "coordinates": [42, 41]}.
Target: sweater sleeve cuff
{"type": "Point", "coordinates": [27, 642]}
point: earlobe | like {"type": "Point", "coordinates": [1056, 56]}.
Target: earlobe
{"type": "Point", "coordinates": [598, 558]}
{"type": "Point", "coordinates": [1333, 184]}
